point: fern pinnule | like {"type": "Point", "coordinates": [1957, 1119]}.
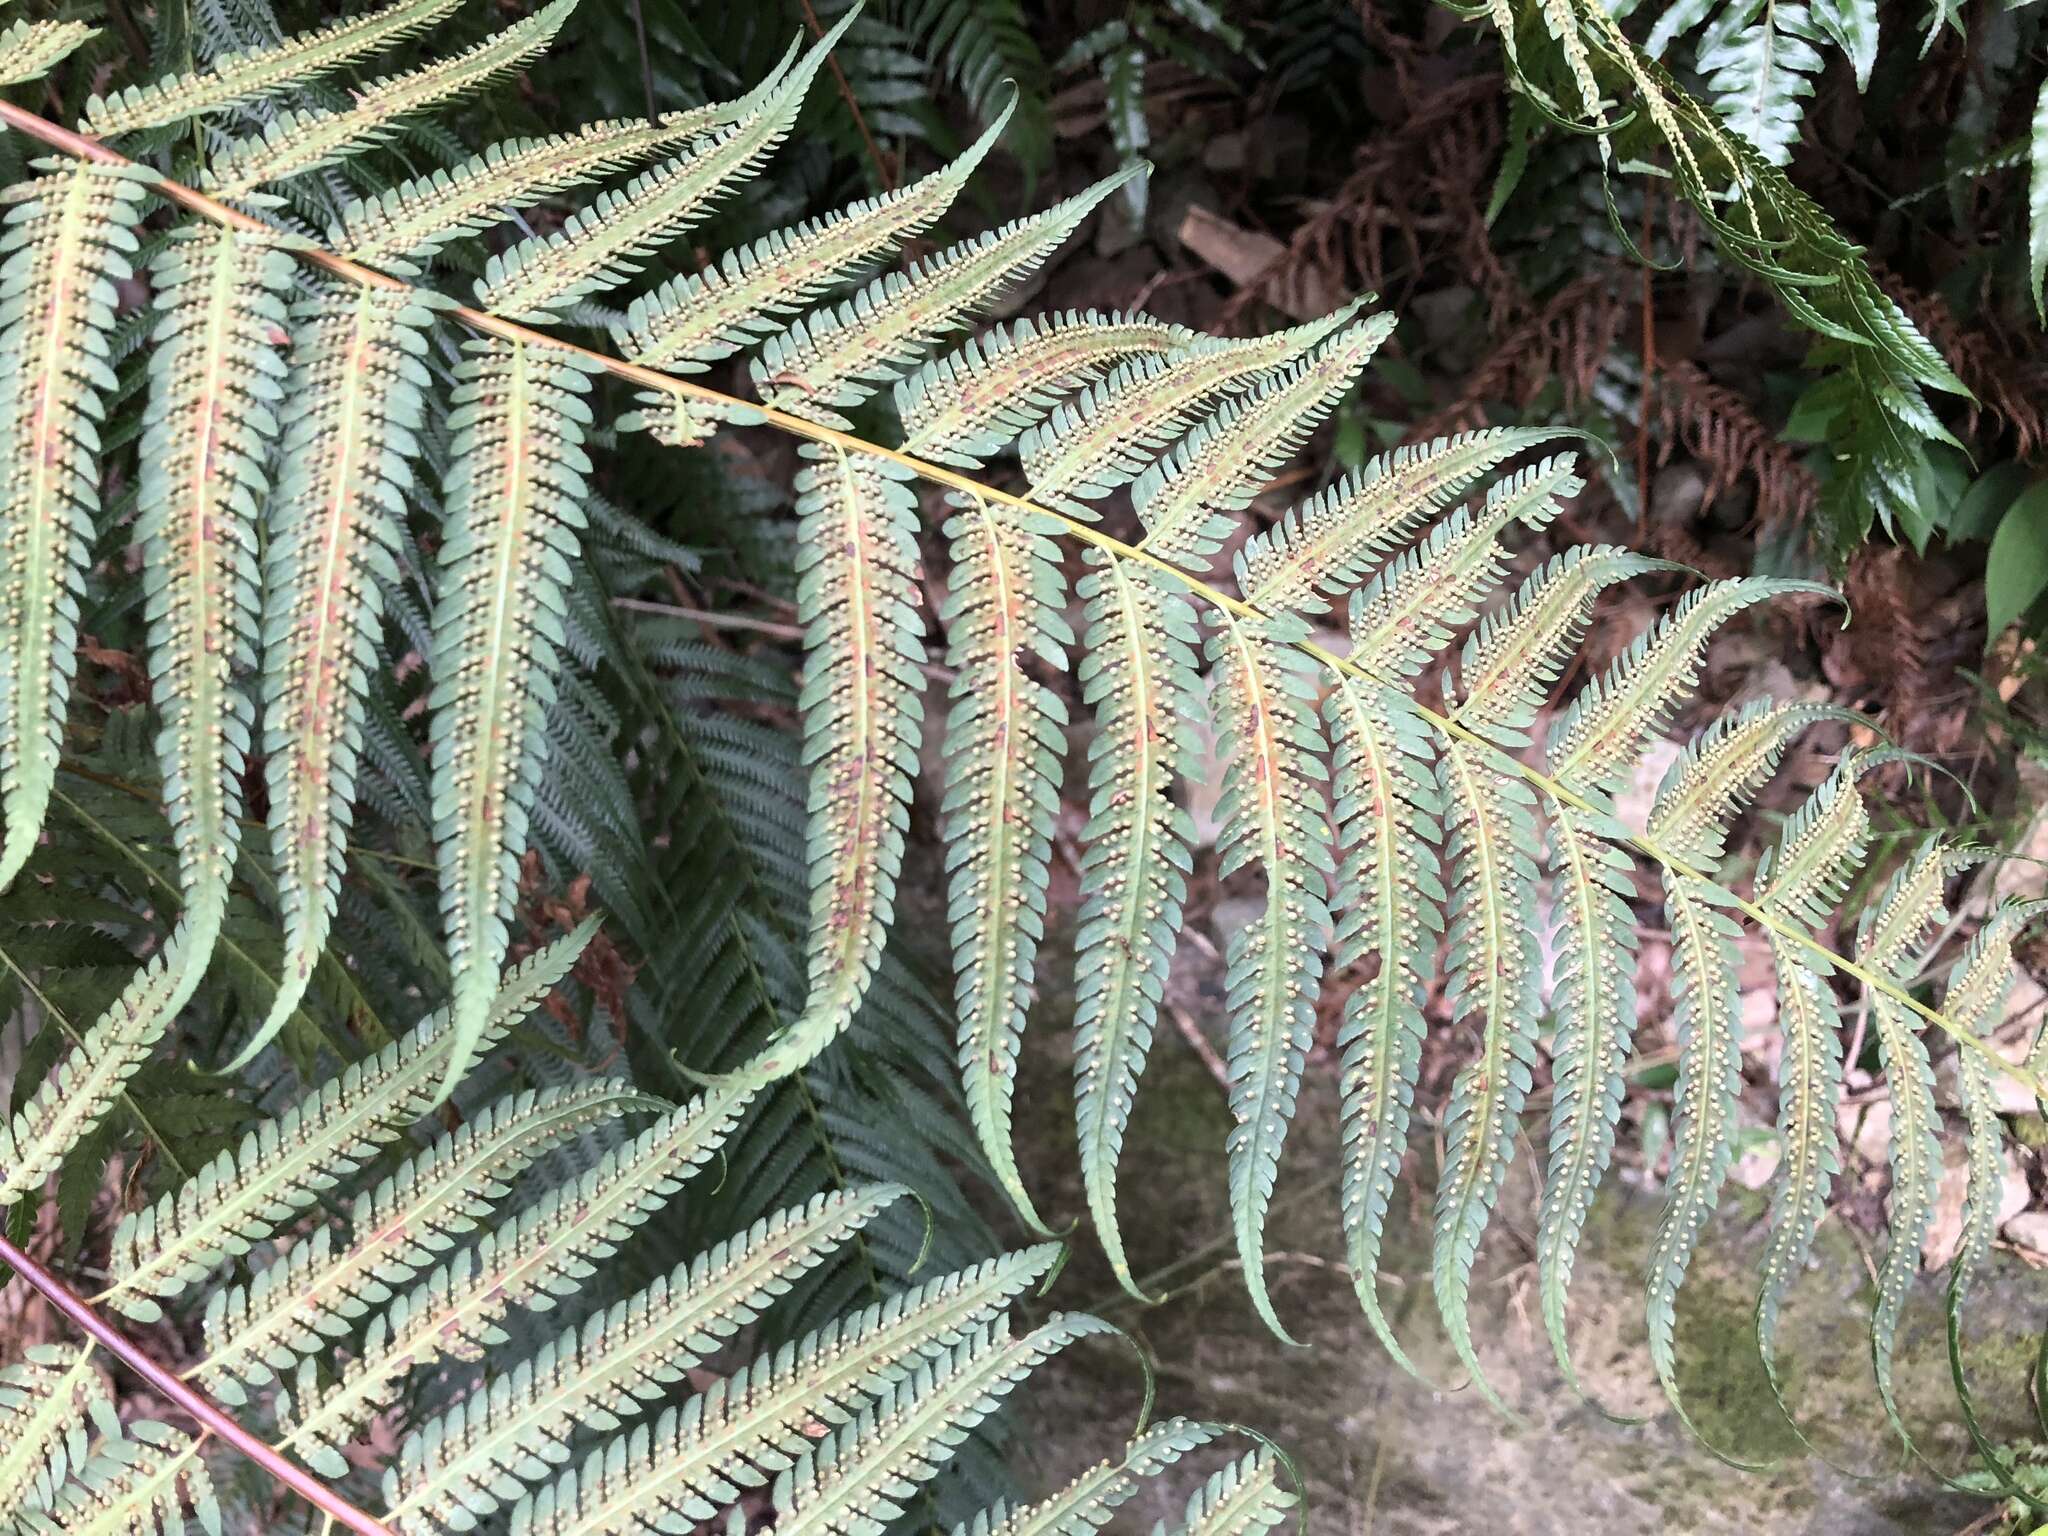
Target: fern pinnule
{"type": "Point", "coordinates": [1108, 435]}
{"type": "Point", "coordinates": [533, 1259]}
{"type": "Point", "coordinates": [139, 1481]}
{"type": "Point", "coordinates": [354, 404]}
{"type": "Point", "coordinates": [603, 244]}
{"type": "Point", "coordinates": [67, 241]}
{"type": "Point", "coordinates": [1004, 737]}
{"type": "Point", "coordinates": [44, 1400]}
{"type": "Point", "coordinates": [839, 355]}
{"type": "Point", "coordinates": [302, 1300]}
{"type": "Point", "coordinates": [31, 49]}
{"type": "Point", "coordinates": [1321, 547]}
{"type": "Point", "coordinates": [1137, 675]}
{"type": "Point", "coordinates": [453, 1471]}
{"type": "Point", "coordinates": [1388, 813]}
{"type": "Point", "coordinates": [692, 321]}
{"type": "Point", "coordinates": [698, 1456]}
{"type": "Point", "coordinates": [1088, 1502]}
{"type": "Point", "coordinates": [1186, 499]}
{"type": "Point", "coordinates": [284, 1165]}
{"type": "Point", "coordinates": [513, 504]}
{"type": "Point", "coordinates": [293, 143]}
{"type": "Point", "coordinates": [965, 407]}
{"type": "Point", "coordinates": [1274, 817]}
{"type": "Point", "coordinates": [246, 76]}
{"type": "Point", "coordinates": [1718, 772]}
{"type": "Point", "coordinates": [401, 227]}
{"type": "Point", "coordinates": [1244, 1499]}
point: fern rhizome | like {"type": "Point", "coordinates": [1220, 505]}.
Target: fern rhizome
{"type": "Point", "coordinates": [290, 373]}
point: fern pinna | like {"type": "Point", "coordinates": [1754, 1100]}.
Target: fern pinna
{"type": "Point", "coordinates": [432, 1265]}
{"type": "Point", "coordinates": [1457, 840]}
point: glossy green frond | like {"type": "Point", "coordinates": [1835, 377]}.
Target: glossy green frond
{"type": "Point", "coordinates": [1086, 1504]}
{"type": "Point", "coordinates": [696, 1459]}
{"type": "Point", "coordinates": [856, 1481]}
{"type": "Point", "coordinates": [353, 407]}
{"type": "Point", "coordinates": [1495, 976]}
{"type": "Point", "coordinates": [1407, 613]}
{"type": "Point", "coordinates": [533, 1259]}
{"type": "Point", "coordinates": [840, 355]}
{"type": "Point", "coordinates": [293, 143]}
{"type": "Point", "coordinates": [1244, 1499]}
{"type": "Point", "coordinates": [863, 705]}
{"type": "Point", "coordinates": [1186, 499]}
{"type": "Point", "coordinates": [1325, 544]}
{"type": "Point", "coordinates": [1721, 769]}
{"type": "Point", "coordinates": [1274, 818]}
{"type": "Point", "coordinates": [45, 1400]}
{"type": "Point", "coordinates": [1511, 661]}
{"type": "Point", "coordinates": [1707, 1018]}
{"type": "Point", "coordinates": [1594, 1002]}
{"type": "Point", "coordinates": [257, 74]}
{"type": "Point", "coordinates": [317, 1290]}
{"type": "Point", "coordinates": [512, 504]}
{"type": "Point", "coordinates": [1110, 434]}
{"type": "Point", "coordinates": [1389, 822]}
{"type": "Point", "coordinates": [1600, 737]}
{"type": "Point", "coordinates": [971, 404]}
{"type": "Point", "coordinates": [692, 321]}
{"type": "Point", "coordinates": [400, 227]}
{"type": "Point", "coordinates": [468, 1462]}
{"type": "Point", "coordinates": [602, 245]}
{"type": "Point", "coordinates": [1137, 675]}
{"type": "Point", "coordinates": [31, 49]}
{"type": "Point", "coordinates": [282, 1166]}
{"type": "Point", "coordinates": [67, 241]}
{"type": "Point", "coordinates": [1004, 738]}
{"type": "Point", "coordinates": [138, 1482]}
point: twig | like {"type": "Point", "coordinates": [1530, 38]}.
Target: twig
{"type": "Point", "coordinates": [202, 1409]}
{"type": "Point", "coordinates": [1191, 1032]}
{"type": "Point", "coordinates": [646, 60]}
{"type": "Point", "coordinates": [846, 93]}
{"type": "Point", "coordinates": [770, 627]}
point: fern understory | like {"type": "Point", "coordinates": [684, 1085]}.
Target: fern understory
{"type": "Point", "coordinates": [1378, 824]}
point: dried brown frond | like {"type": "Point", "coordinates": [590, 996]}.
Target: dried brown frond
{"type": "Point", "coordinates": [2006, 385]}
{"type": "Point", "coordinates": [1566, 340]}
{"type": "Point", "coordinates": [1717, 427]}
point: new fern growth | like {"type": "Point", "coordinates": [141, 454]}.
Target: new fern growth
{"type": "Point", "coordinates": [1381, 828]}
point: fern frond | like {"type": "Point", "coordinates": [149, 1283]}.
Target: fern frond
{"type": "Point", "coordinates": [137, 1483]}
{"type": "Point", "coordinates": [44, 1403]}
{"type": "Point", "coordinates": [1494, 973]}
{"type": "Point", "coordinates": [1809, 1084]}
{"type": "Point", "coordinates": [1137, 674]}
{"type": "Point", "coordinates": [1185, 499]}
{"type": "Point", "coordinates": [293, 143]}
{"type": "Point", "coordinates": [1707, 1017]}
{"type": "Point", "coordinates": [601, 246]}
{"type": "Point", "coordinates": [1320, 547]}
{"type": "Point", "coordinates": [297, 1304]}
{"type": "Point", "coordinates": [31, 49]}
{"type": "Point", "coordinates": [400, 227]}
{"type": "Point", "coordinates": [1600, 737]}
{"type": "Point", "coordinates": [696, 1458]}
{"type": "Point", "coordinates": [855, 1482]}
{"type": "Point", "coordinates": [1389, 817]}
{"type": "Point", "coordinates": [1244, 1499]}
{"type": "Point", "coordinates": [1760, 65]}
{"type": "Point", "coordinates": [692, 321]}
{"type": "Point", "coordinates": [67, 241]}
{"type": "Point", "coordinates": [971, 404]}
{"type": "Point", "coordinates": [1721, 769]}
{"type": "Point", "coordinates": [453, 1472]}
{"type": "Point", "coordinates": [862, 705]}
{"type": "Point", "coordinates": [1273, 817]}
{"type": "Point", "coordinates": [1004, 738]}
{"type": "Point", "coordinates": [1107, 437]}
{"type": "Point", "coordinates": [840, 355]}
{"type": "Point", "coordinates": [353, 408]}
{"type": "Point", "coordinates": [513, 508]}
{"type": "Point", "coordinates": [282, 1166]}
{"type": "Point", "coordinates": [257, 74]}
{"type": "Point", "coordinates": [1594, 1000]}
{"type": "Point", "coordinates": [1086, 1504]}
{"type": "Point", "coordinates": [537, 1256]}
{"type": "Point", "coordinates": [1409, 611]}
